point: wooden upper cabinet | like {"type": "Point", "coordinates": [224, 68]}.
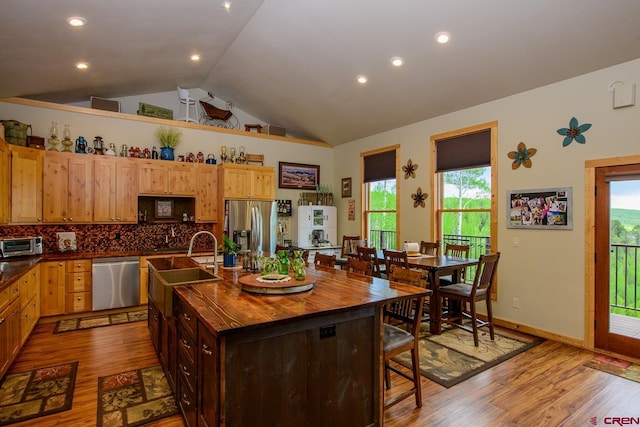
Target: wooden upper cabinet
{"type": "Point", "coordinates": [165, 178]}
{"type": "Point", "coordinates": [67, 188]}
{"type": "Point", "coordinates": [248, 182]}
{"type": "Point", "coordinates": [5, 182]}
{"type": "Point", "coordinates": [206, 193]}
{"type": "Point", "coordinates": [115, 189]}
{"type": "Point", "coordinates": [26, 185]}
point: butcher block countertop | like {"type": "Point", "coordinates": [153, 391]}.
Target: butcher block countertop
{"type": "Point", "coordinates": [226, 308]}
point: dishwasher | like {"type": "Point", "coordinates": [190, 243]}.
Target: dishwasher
{"type": "Point", "coordinates": [116, 282]}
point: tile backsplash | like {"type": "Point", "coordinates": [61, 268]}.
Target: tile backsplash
{"type": "Point", "coordinates": [112, 237]}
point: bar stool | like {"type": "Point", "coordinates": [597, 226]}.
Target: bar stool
{"type": "Point", "coordinates": [186, 102]}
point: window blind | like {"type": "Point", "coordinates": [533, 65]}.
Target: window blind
{"type": "Point", "coordinates": [468, 151]}
{"type": "Point", "coordinates": [380, 166]}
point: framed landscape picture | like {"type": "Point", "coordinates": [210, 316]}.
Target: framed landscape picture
{"type": "Point", "coordinates": [549, 208]}
{"type": "Point", "coordinates": [298, 176]}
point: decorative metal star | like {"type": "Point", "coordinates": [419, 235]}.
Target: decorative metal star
{"type": "Point", "coordinates": [574, 131]}
{"type": "Point", "coordinates": [418, 198]}
{"type": "Point", "coordinates": [522, 156]}
{"type": "Point", "coordinates": [409, 169]}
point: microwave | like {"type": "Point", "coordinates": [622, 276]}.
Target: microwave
{"type": "Point", "coordinates": [20, 246]}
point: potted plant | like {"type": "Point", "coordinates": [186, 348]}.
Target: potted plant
{"type": "Point", "coordinates": [230, 251]}
{"type": "Point", "coordinates": [169, 138]}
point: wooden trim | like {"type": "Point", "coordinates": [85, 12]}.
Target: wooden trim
{"type": "Point", "coordinates": [589, 265]}
{"type": "Point", "coordinates": [470, 129]}
{"type": "Point", "coordinates": [164, 122]}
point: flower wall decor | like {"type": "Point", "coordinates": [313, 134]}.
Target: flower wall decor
{"type": "Point", "coordinates": [574, 131]}
{"type": "Point", "coordinates": [522, 156]}
{"type": "Point", "coordinates": [418, 198]}
{"type": "Point", "coordinates": [410, 169]}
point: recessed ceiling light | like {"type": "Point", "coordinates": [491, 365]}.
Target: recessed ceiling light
{"type": "Point", "coordinates": [195, 57]}
{"type": "Point", "coordinates": [76, 21]}
{"type": "Point", "coordinates": [82, 65]}
{"type": "Point", "coordinates": [227, 5]}
{"type": "Point", "coordinates": [361, 79]}
{"type": "Point", "coordinates": [396, 61]}
{"type": "Point", "coordinates": [443, 37]}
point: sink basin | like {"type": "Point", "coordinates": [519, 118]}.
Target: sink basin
{"type": "Point", "coordinates": [162, 282]}
{"type": "Point", "coordinates": [164, 251]}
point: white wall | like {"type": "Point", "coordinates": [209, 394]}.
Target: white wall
{"type": "Point", "coordinates": [546, 272]}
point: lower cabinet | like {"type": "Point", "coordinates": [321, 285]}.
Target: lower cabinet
{"type": "Point", "coordinates": [65, 287]}
{"type": "Point", "coordinates": [9, 326]}
{"type": "Point", "coordinates": [291, 371]}
{"type": "Point", "coordinates": [163, 337]}
{"type": "Point", "coordinates": [19, 313]}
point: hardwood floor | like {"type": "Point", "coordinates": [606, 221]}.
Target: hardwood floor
{"type": "Point", "coordinates": [545, 386]}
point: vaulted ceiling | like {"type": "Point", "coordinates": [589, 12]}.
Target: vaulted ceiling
{"type": "Point", "coordinates": [293, 63]}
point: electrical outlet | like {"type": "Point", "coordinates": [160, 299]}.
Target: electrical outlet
{"type": "Point", "coordinates": [117, 236]}
{"type": "Point", "coordinates": [516, 303]}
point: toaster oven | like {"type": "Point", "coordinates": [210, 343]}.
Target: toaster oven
{"type": "Point", "coordinates": [21, 246]}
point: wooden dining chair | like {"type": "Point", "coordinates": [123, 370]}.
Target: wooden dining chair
{"type": "Point", "coordinates": [361, 266]}
{"type": "Point", "coordinates": [397, 340]}
{"type": "Point", "coordinates": [471, 293]}
{"type": "Point", "coordinates": [392, 257]}
{"type": "Point", "coordinates": [413, 277]}
{"type": "Point", "coordinates": [461, 251]}
{"type": "Point", "coordinates": [370, 253]}
{"type": "Point", "coordinates": [324, 260]}
{"type": "Point", "coordinates": [430, 248]}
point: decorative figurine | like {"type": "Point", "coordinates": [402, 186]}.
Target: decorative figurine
{"type": "Point", "coordinates": [98, 145]}
{"type": "Point", "coordinates": [211, 159]}
{"type": "Point", "coordinates": [154, 153]}
{"type": "Point", "coordinates": [111, 151]}
{"type": "Point", "coordinates": [146, 154]}
{"type": "Point", "coordinates": [124, 151]}
{"type": "Point", "coordinates": [200, 157]}
{"type": "Point", "coordinates": [242, 157]}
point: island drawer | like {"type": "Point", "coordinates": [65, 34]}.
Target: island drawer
{"type": "Point", "coordinates": [187, 346]}
{"type": "Point", "coordinates": [186, 316]}
{"type": "Point", "coordinates": [187, 402]}
{"type": "Point", "coordinates": [187, 373]}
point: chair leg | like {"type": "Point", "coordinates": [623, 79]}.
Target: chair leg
{"type": "Point", "coordinates": [387, 375]}
{"type": "Point", "coordinates": [474, 323]}
{"type": "Point", "coordinates": [490, 317]}
{"type": "Point", "coordinates": [416, 375]}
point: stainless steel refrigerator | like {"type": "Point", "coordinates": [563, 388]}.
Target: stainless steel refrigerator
{"type": "Point", "coordinates": [252, 223]}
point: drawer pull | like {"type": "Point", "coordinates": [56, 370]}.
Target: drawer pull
{"type": "Point", "coordinates": [186, 371]}
{"type": "Point", "coordinates": [206, 350]}
{"type": "Point", "coordinates": [186, 345]}
{"type": "Point", "coordinates": [185, 399]}
{"type": "Point", "coordinates": [186, 317]}
{"type": "Point", "coordinates": [1, 321]}
{"type": "Point", "coordinates": [79, 279]}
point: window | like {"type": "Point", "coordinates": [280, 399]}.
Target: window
{"type": "Point", "coordinates": [464, 188]}
{"type": "Point", "coordinates": [380, 197]}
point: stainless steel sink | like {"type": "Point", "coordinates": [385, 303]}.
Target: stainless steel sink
{"type": "Point", "coordinates": [161, 285]}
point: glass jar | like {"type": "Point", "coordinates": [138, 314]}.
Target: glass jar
{"type": "Point", "coordinates": [283, 261]}
{"type": "Point", "coordinates": [299, 264]}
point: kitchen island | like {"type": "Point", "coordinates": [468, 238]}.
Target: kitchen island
{"type": "Point", "coordinates": [312, 358]}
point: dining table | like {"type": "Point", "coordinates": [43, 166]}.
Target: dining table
{"type": "Point", "coordinates": [436, 266]}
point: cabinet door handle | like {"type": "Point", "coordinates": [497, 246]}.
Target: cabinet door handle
{"type": "Point", "coordinates": [206, 350]}
{"type": "Point", "coordinates": [1, 321]}
{"type": "Point", "coordinates": [186, 317]}
{"type": "Point", "coordinates": [185, 399]}
{"type": "Point", "coordinates": [186, 345]}
{"type": "Point", "coordinates": [185, 370]}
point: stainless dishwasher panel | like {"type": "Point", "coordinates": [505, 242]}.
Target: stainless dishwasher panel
{"type": "Point", "coordinates": [116, 282]}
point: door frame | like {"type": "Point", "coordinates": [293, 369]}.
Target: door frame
{"type": "Point", "coordinates": [589, 243]}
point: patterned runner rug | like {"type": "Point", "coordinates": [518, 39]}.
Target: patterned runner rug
{"type": "Point", "coordinates": [451, 357]}
{"type": "Point", "coordinates": [32, 394]}
{"type": "Point", "coordinates": [612, 365]}
{"type": "Point", "coordinates": [94, 321]}
{"type": "Point", "coordinates": [134, 398]}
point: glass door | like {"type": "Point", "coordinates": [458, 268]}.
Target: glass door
{"type": "Point", "coordinates": [617, 255]}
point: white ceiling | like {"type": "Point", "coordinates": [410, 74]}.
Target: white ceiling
{"type": "Point", "coordinates": [293, 63]}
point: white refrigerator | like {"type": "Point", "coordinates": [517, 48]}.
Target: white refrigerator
{"type": "Point", "coordinates": [315, 225]}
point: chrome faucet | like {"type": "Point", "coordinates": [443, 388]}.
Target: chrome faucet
{"type": "Point", "coordinates": [215, 248]}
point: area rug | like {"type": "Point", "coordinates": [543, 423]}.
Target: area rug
{"type": "Point", "coordinates": [98, 321]}
{"type": "Point", "coordinates": [36, 393]}
{"type": "Point", "coordinates": [619, 367]}
{"type": "Point", "coordinates": [134, 398]}
{"type": "Point", "coordinates": [451, 357]}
